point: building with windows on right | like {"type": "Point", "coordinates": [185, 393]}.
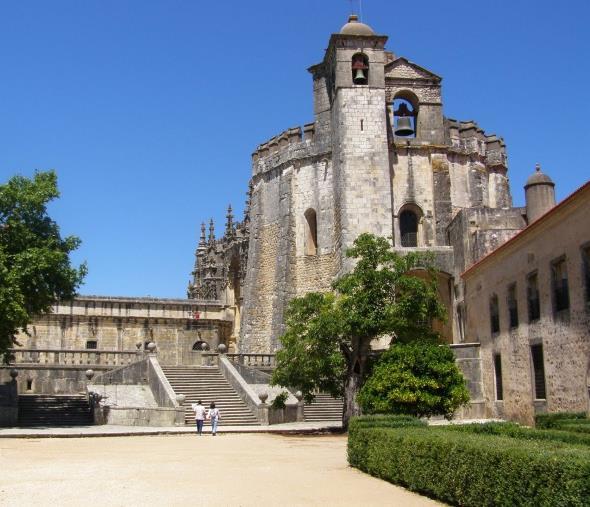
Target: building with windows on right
{"type": "Point", "coordinates": [528, 304]}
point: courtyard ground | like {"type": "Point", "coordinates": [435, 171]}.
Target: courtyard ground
{"type": "Point", "coordinates": [230, 469]}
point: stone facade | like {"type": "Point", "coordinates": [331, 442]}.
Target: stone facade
{"type": "Point", "coordinates": [314, 190]}
{"type": "Point", "coordinates": [528, 304]}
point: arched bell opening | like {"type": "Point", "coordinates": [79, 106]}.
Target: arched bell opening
{"type": "Point", "coordinates": [405, 115]}
{"type": "Point", "coordinates": [360, 69]}
{"type": "Point", "coordinates": [410, 225]}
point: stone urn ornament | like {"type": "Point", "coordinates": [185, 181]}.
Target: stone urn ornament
{"type": "Point", "coordinates": [263, 396]}
{"type": "Point", "coordinates": [180, 398]}
{"type": "Point", "coordinates": [13, 373]}
{"type": "Point", "coordinates": [299, 395]}
{"type": "Point", "coordinates": [89, 374]}
{"type": "Point", "coordinates": [204, 346]}
{"type": "Point", "coordinates": [151, 346]}
{"type": "Point", "coordinates": [221, 348]}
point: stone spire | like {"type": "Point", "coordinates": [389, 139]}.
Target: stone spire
{"type": "Point", "coordinates": [229, 225]}
{"type": "Point", "coordinates": [203, 239]}
{"type": "Point", "coordinates": [211, 231]}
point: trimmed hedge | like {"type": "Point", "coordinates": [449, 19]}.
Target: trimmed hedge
{"type": "Point", "coordinates": [513, 430]}
{"type": "Point", "coordinates": [553, 420]}
{"type": "Point", "coordinates": [576, 426]}
{"type": "Point", "coordinates": [386, 421]}
{"type": "Point", "coordinates": [463, 468]}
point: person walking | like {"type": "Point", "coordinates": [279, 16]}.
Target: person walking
{"type": "Point", "coordinates": [213, 416]}
{"type": "Point", "coordinates": [199, 410]}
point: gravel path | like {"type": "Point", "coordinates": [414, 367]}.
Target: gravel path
{"type": "Point", "coordinates": [231, 469]}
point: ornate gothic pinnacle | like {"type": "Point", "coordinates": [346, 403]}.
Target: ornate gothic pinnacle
{"type": "Point", "coordinates": [211, 231]}
{"type": "Point", "coordinates": [229, 226]}
{"type": "Point", "coordinates": [203, 235]}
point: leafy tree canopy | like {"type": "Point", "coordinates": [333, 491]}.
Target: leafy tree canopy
{"type": "Point", "coordinates": [35, 269]}
{"type": "Point", "coordinates": [326, 346]}
{"type": "Point", "coordinates": [419, 379]}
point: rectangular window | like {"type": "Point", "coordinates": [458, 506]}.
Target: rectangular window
{"type": "Point", "coordinates": [494, 315]}
{"type": "Point", "coordinates": [498, 371]}
{"type": "Point", "coordinates": [91, 344]}
{"type": "Point", "coordinates": [512, 306]}
{"type": "Point", "coordinates": [538, 371]}
{"type": "Point", "coordinates": [561, 298]}
{"type": "Point", "coordinates": [533, 302]}
{"type": "Point", "coordinates": [586, 270]}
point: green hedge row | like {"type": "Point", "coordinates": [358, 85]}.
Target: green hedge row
{"type": "Point", "coordinates": [463, 468]}
{"type": "Point", "coordinates": [386, 421]}
{"type": "Point", "coordinates": [546, 421]}
{"type": "Point", "coordinates": [513, 430]}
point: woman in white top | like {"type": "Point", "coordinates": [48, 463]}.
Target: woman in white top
{"type": "Point", "coordinates": [213, 415]}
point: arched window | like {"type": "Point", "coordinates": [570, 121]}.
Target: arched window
{"type": "Point", "coordinates": [408, 228]}
{"type": "Point", "coordinates": [311, 232]}
{"type": "Point", "coordinates": [405, 114]}
{"type": "Point", "coordinates": [360, 69]}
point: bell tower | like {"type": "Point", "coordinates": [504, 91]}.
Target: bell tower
{"type": "Point", "coordinates": [354, 70]}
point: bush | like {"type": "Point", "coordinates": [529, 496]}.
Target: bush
{"type": "Point", "coordinates": [279, 401]}
{"type": "Point", "coordinates": [513, 430]}
{"type": "Point", "coordinates": [473, 469]}
{"type": "Point", "coordinates": [576, 426]}
{"type": "Point", "coordinates": [418, 379]}
{"type": "Point", "coordinates": [386, 421]}
{"type": "Point", "coordinates": [553, 420]}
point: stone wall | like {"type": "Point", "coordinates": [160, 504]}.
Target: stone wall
{"type": "Point", "coordinates": [118, 324]}
{"type": "Point", "coordinates": [563, 335]}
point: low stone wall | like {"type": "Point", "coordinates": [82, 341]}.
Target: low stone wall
{"type": "Point", "coordinates": [33, 379]}
{"type": "Point", "coordinates": [469, 362]}
{"type": "Point", "coordinates": [139, 416]}
{"type": "Point", "coordinates": [145, 372]}
{"type": "Point", "coordinates": [249, 383]}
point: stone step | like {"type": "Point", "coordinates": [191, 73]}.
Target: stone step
{"type": "Point", "coordinates": [208, 384]}
{"type": "Point", "coordinates": [54, 410]}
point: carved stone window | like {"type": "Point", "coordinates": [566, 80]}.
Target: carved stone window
{"type": "Point", "coordinates": [311, 232]}
{"type": "Point", "coordinates": [532, 295]}
{"type": "Point", "coordinates": [538, 371]}
{"type": "Point", "coordinates": [559, 285]}
{"type": "Point", "coordinates": [410, 225]}
{"type": "Point", "coordinates": [494, 315]}
{"type": "Point", "coordinates": [498, 377]}
{"type": "Point", "coordinates": [512, 306]}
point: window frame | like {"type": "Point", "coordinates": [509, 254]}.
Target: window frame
{"type": "Point", "coordinates": [560, 288]}
{"type": "Point", "coordinates": [512, 297]}
{"type": "Point", "coordinates": [498, 379]}
{"type": "Point", "coordinates": [538, 369]}
{"type": "Point", "coordinates": [494, 317]}
{"type": "Point", "coordinates": [530, 276]}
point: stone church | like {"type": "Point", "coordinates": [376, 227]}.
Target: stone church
{"type": "Point", "coordinates": [380, 156]}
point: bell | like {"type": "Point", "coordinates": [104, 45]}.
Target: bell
{"type": "Point", "coordinates": [404, 126]}
{"type": "Point", "coordinates": [359, 77]}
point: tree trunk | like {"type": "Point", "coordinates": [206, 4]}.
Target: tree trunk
{"type": "Point", "coordinates": [356, 359]}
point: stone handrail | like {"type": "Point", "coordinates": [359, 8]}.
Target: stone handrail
{"type": "Point", "coordinates": [73, 357]}
{"type": "Point", "coordinates": [254, 360]}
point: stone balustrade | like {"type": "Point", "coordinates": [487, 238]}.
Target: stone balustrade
{"type": "Point", "coordinates": [254, 360]}
{"type": "Point", "coordinates": [73, 357]}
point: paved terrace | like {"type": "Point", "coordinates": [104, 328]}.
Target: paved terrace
{"type": "Point", "coordinates": [251, 469]}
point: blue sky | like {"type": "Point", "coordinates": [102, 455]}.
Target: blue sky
{"type": "Point", "coordinates": [149, 110]}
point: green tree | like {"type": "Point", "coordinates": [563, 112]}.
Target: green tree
{"type": "Point", "coordinates": [419, 379]}
{"type": "Point", "coordinates": [35, 269]}
{"type": "Point", "coordinates": [380, 296]}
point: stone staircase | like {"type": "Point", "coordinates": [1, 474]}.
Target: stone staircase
{"type": "Point", "coordinates": [53, 410]}
{"type": "Point", "coordinates": [324, 408]}
{"type": "Point", "coordinates": [208, 384]}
